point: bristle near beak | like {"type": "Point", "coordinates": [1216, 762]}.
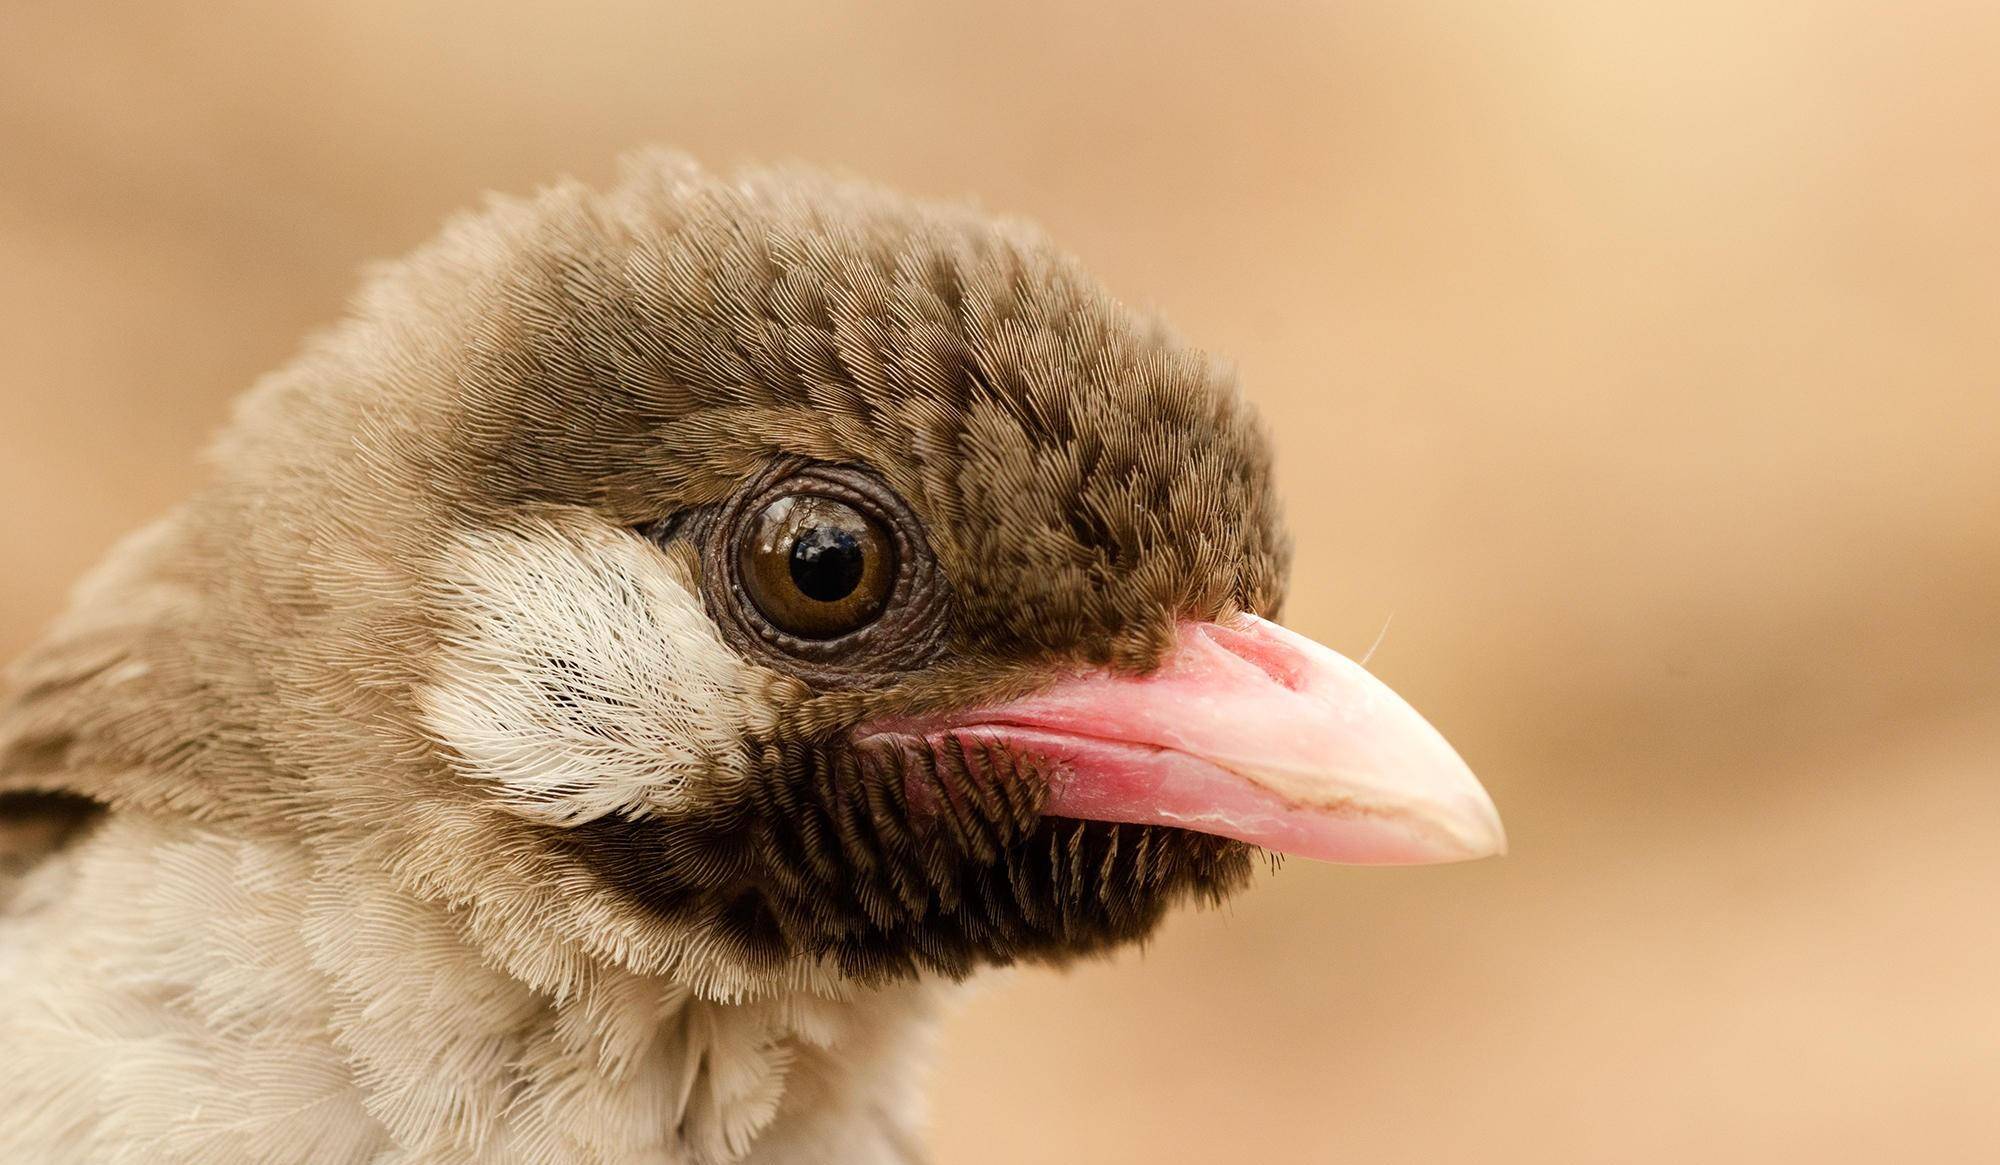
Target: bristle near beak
{"type": "Point", "coordinates": [1250, 731]}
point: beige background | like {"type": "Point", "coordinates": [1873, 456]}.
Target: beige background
{"type": "Point", "coordinates": [1639, 359]}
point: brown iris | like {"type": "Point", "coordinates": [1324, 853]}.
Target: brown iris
{"type": "Point", "coordinates": [817, 568]}
{"type": "Point", "coordinates": [822, 571]}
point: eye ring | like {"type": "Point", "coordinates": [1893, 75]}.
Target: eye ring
{"type": "Point", "coordinates": [894, 626]}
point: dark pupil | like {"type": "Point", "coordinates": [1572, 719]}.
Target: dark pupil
{"type": "Point", "coordinates": [826, 563]}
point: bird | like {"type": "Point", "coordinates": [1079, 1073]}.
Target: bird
{"type": "Point", "coordinates": [613, 687]}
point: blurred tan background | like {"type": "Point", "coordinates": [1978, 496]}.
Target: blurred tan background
{"type": "Point", "coordinates": [1642, 360]}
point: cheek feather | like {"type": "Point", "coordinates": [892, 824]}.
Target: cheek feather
{"type": "Point", "coordinates": [578, 675]}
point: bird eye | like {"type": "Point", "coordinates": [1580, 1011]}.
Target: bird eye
{"type": "Point", "coordinates": [817, 568]}
{"type": "Point", "coordinates": [822, 571]}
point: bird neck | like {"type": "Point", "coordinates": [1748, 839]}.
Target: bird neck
{"type": "Point", "coordinates": [621, 1065]}
{"type": "Point", "coordinates": [292, 973]}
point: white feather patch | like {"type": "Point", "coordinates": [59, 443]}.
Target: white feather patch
{"type": "Point", "coordinates": [580, 675]}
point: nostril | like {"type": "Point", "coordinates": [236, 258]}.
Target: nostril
{"type": "Point", "coordinates": [1279, 660]}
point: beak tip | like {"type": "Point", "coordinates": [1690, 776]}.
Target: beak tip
{"type": "Point", "coordinates": [1493, 845]}
{"type": "Point", "coordinates": [1467, 828]}
{"type": "Point", "coordinates": [1484, 833]}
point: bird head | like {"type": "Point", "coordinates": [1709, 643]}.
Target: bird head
{"type": "Point", "coordinates": [768, 579]}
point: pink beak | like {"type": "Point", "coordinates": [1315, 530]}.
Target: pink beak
{"type": "Point", "coordinates": [1249, 731]}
